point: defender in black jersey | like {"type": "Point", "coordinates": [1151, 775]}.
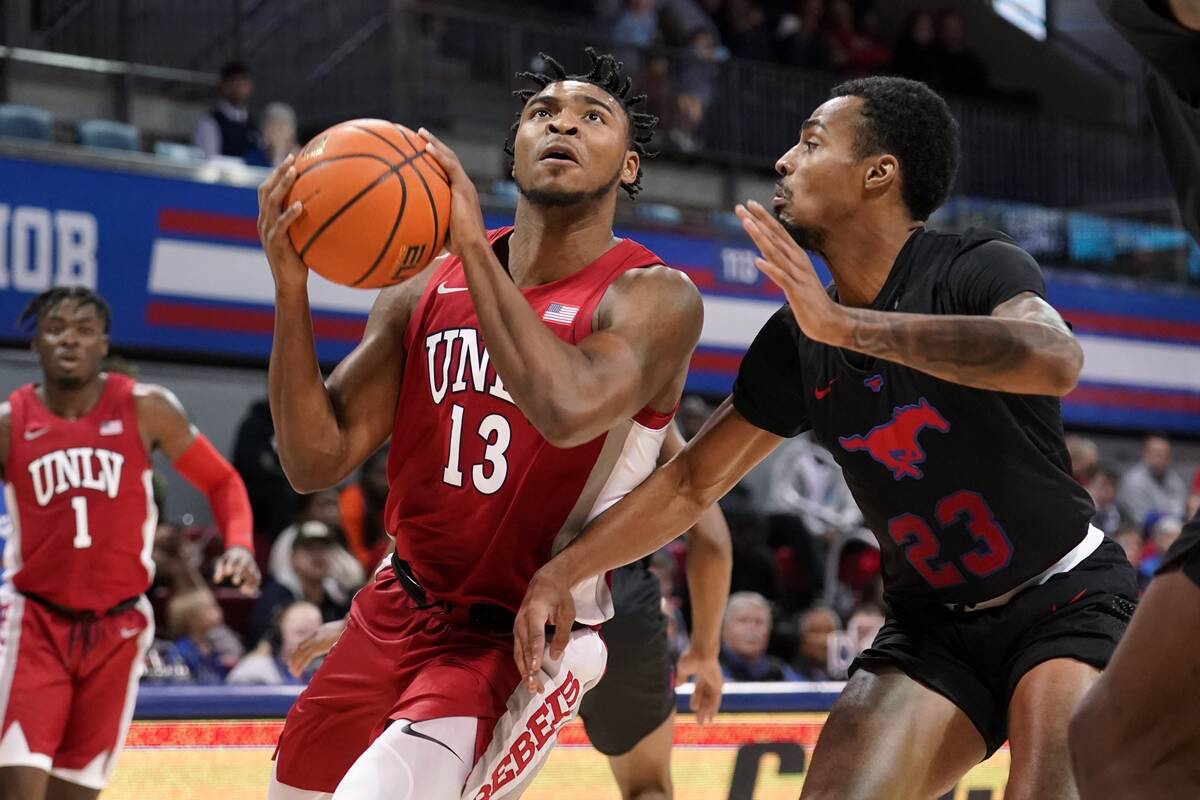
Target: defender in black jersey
{"type": "Point", "coordinates": [931, 369]}
{"type": "Point", "coordinates": [1137, 734]}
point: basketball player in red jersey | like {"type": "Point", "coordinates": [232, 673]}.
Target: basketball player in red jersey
{"type": "Point", "coordinates": [75, 454]}
{"type": "Point", "coordinates": [630, 715]}
{"type": "Point", "coordinates": [526, 381]}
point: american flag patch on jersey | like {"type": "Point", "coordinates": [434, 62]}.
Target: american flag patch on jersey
{"type": "Point", "coordinates": [557, 312]}
{"type": "Point", "coordinates": [112, 427]}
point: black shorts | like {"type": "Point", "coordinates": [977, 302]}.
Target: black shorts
{"type": "Point", "coordinates": [637, 692]}
{"type": "Point", "coordinates": [1184, 555]}
{"type": "Point", "coordinates": [976, 658]}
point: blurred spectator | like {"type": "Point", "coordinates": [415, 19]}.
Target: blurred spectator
{"type": "Point", "coordinates": [310, 578]}
{"type": "Point", "coordinates": [744, 31]}
{"type": "Point", "coordinates": [800, 40]}
{"type": "Point", "coordinates": [680, 20]}
{"type": "Point", "coordinates": [1131, 541]}
{"type": "Point", "coordinates": [279, 133]}
{"type": "Point", "coordinates": [857, 50]}
{"type": "Point", "coordinates": [1151, 486]}
{"type": "Point", "coordinates": [665, 568]}
{"type": "Point", "coordinates": [1193, 503]}
{"type": "Point", "coordinates": [272, 500]}
{"type": "Point", "coordinates": [635, 31]}
{"type": "Point", "coordinates": [807, 481]}
{"type": "Point", "coordinates": [816, 626]}
{"type": "Point", "coordinates": [754, 567]}
{"type": "Point", "coordinates": [694, 90]}
{"type": "Point", "coordinates": [322, 507]}
{"type": "Point", "coordinates": [859, 569]}
{"type": "Point", "coordinates": [744, 638]}
{"type": "Point", "coordinates": [677, 630]}
{"type": "Point", "coordinates": [176, 561]}
{"type": "Point", "coordinates": [917, 55]}
{"type": "Point", "coordinates": [864, 625]}
{"type": "Point", "coordinates": [1085, 457]}
{"type": "Point", "coordinates": [362, 507]}
{"type": "Point", "coordinates": [203, 643]}
{"type": "Point", "coordinates": [267, 664]}
{"type": "Point", "coordinates": [227, 129]}
{"type": "Point", "coordinates": [962, 71]}
{"type": "Point", "coordinates": [1103, 489]}
{"type": "Point", "coordinates": [694, 411]}
{"type": "Point", "coordinates": [1163, 533]}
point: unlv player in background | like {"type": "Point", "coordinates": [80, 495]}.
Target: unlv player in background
{"type": "Point", "coordinates": [526, 382]}
{"type": "Point", "coordinates": [931, 369]}
{"type": "Point", "coordinates": [1137, 734]}
{"type": "Point", "coordinates": [75, 453]}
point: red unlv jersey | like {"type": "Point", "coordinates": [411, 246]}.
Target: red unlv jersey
{"type": "Point", "coordinates": [80, 496]}
{"type": "Point", "coordinates": [477, 499]}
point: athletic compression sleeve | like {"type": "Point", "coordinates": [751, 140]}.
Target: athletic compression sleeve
{"type": "Point", "coordinates": [208, 471]}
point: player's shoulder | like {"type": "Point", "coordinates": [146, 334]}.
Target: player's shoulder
{"type": "Point", "coordinates": [156, 400]}
{"type": "Point", "coordinates": [656, 290]}
{"type": "Point", "coordinates": [986, 246]}
{"type": "Point", "coordinates": [659, 281]}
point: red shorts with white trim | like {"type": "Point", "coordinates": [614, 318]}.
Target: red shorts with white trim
{"type": "Point", "coordinates": [66, 693]}
{"type": "Point", "coordinates": [397, 661]}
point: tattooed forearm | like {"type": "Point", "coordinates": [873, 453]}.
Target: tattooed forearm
{"type": "Point", "coordinates": [1030, 351]}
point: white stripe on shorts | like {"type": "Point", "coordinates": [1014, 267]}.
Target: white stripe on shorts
{"type": "Point", "coordinates": [522, 738]}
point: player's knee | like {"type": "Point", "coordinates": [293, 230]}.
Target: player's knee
{"type": "Point", "coordinates": [656, 793]}
{"type": "Point", "coordinates": [656, 787]}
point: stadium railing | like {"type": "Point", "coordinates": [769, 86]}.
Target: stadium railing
{"type": "Point", "coordinates": [453, 67]}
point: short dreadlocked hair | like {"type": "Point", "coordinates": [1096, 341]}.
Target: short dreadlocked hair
{"type": "Point", "coordinates": [912, 122]}
{"type": "Point", "coordinates": [48, 300]}
{"type": "Point", "coordinates": [607, 73]}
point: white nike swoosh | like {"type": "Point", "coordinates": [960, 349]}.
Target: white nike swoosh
{"type": "Point", "coordinates": [128, 633]}
{"type": "Point", "coordinates": [444, 289]}
{"type": "Point", "coordinates": [31, 435]}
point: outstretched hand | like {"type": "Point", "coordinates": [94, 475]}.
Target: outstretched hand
{"type": "Point", "coordinates": [789, 267]}
{"type": "Point", "coordinates": [547, 601]}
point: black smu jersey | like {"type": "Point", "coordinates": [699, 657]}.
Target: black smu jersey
{"type": "Point", "coordinates": [968, 491]}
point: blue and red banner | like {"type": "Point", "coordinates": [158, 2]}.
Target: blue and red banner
{"type": "Point", "coordinates": [180, 264]}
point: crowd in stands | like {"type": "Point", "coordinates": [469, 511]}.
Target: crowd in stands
{"type": "Point", "coordinates": [1143, 507]}
{"type": "Point", "coordinates": [229, 131]}
{"type": "Point", "coordinates": [806, 595]}
{"type": "Point", "coordinates": [676, 45]}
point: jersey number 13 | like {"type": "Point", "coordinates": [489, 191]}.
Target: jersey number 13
{"type": "Point", "coordinates": [496, 433]}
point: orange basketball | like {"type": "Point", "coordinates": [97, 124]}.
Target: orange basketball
{"type": "Point", "coordinates": [376, 205]}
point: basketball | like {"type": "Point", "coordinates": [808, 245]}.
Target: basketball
{"type": "Point", "coordinates": [376, 205]}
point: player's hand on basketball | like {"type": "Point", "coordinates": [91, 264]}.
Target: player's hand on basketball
{"type": "Point", "coordinates": [466, 215]}
{"type": "Point", "coordinates": [318, 643]}
{"type": "Point", "coordinates": [273, 223]}
{"type": "Point", "coordinates": [547, 601]}
{"type": "Point", "coordinates": [789, 267]}
{"type": "Point", "coordinates": [237, 565]}
{"type": "Point", "coordinates": [706, 672]}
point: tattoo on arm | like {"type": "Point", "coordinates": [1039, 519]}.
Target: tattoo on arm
{"type": "Point", "coordinates": [1023, 347]}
